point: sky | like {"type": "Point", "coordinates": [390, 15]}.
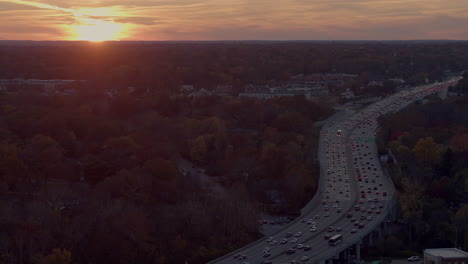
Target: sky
{"type": "Point", "coordinates": [98, 20]}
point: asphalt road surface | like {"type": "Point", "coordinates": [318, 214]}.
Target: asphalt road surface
{"type": "Point", "coordinates": [354, 195]}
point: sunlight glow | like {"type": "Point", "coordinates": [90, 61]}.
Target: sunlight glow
{"type": "Point", "coordinates": [96, 30]}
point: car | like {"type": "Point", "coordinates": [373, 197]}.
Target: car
{"type": "Point", "coordinates": [288, 234]}
{"type": "Point", "coordinates": [331, 229]}
{"type": "Point", "coordinates": [369, 218]}
{"type": "Point", "coordinates": [265, 250]}
{"type": "Point", "coordinates": [313, 229]}
{"type": "Point", "coordinates": [384, 193]}
{"type": "Point", "coordinates": [237, 255]}
{"type": "Point", "coordinates": [307, 247]}
{"type": "Point", "coordinates": [290, 251]}
{"type": "Point", "coordinates": [327, 236]}
{"type": "Point", "coordinates": [349, 215]}
{"type": "Point", "coordinates": [283, 241]}
{"type": "Point", "coordinates": [294, 240]}
{"type": "Point", "coordinates": [304, 258]}
{"type": "Point", "coordinates": [361, 225]}
{"type": "Point", "coordinates": [300, 246]}
{"type": "Point", "coordinates": [266, 254]}
{"type": "Point", "coordinates": [269, 239]}
{"type": "Point", "coordinates": [242, 257]}
{"type": "Point", "coordinates": [326, 215]}
{"type": "Point", "coordinates": [267, 261]}
{"type": "Point", "coordinates": [272, 243]}
{"type": "Point", "coordinates": [354, 230]}
{"type": "Point", "coordinates": [298, 234]}
{"type": "Point", "coordinates": [413, 258]}
{"type": "Point", "coordinates": [338, 229]}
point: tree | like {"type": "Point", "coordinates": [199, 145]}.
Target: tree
{"type": "Point", "coordinates": [11, 168]}
{"type": "Point", "coordinates": [427, 152]}
{"type": "Point", "coordinates": [44, 156]}
{"type": "Point", "coordinates": [411, 199]}
{"type": "Point", "coordinates": [58, 256]}
{"type": "Point", "coordinates": [199, 149]}
{"type": "Point", "coordinates": [161, 169]}
{"type": "Point", "coordinates": [459, 142]}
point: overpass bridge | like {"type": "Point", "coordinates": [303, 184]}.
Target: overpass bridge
{"type": "Point", "coordinates": [355, 198]}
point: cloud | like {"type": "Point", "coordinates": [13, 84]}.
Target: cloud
{"type": "Point", "coordinates": [138, 20]}
{"type": "Point", "coordinates": [7, 6]}
{"type": "Point", "coordinates": [251, 19]}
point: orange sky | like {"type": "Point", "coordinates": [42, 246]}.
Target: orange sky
{"type": "Point", "coordinates": [233, 19]}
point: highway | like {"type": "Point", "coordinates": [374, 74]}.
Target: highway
{"type": "Point", "coordinates": [354, 196]}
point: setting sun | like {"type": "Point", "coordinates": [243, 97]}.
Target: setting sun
{"type": "Point", "coordinates": [97, 30]}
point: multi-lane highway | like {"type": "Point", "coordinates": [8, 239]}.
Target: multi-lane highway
{"type": "Point", "coordinates": [354, 196]}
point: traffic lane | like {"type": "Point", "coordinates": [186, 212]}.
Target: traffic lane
{"type": "Point", "coordinates": [334, 216]}
{"type": "Point", "coordinates": [279, 247]}
{"type": "Point", "coordinates": [259, 246]}
{"type": "Point", "coordinates": [319, 242]}
{"type": "Point", "coordinates": [394, 108]}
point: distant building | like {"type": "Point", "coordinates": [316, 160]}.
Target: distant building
{"type": "Point", "coordinates": [348, 94]}
{"type": "Point", "coordinates": [46, 86]}
{"type": "Point", "coordinates": [445, 256]}
{"type": "Point", "coordinates": [397, 81]}
{"type": "Point", "coordinates": [186, 88]}
{"type": "Point", "coordinates": [375, 83]}
{"type": "Point", "coordinates": [201, 92]}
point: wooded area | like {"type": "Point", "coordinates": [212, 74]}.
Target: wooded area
{"type": "Point", "coordinates": [166, 66]}
{"type": "Point", "coordinates": [89, 178]}
{"type": "Point", "coordinates": [430, 143]}
{"type": "Point", "coordinates": [98, 179]}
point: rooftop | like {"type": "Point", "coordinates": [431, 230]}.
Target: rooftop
{"type": "Point", "coordinates": [447, 252]}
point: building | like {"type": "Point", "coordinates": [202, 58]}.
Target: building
{"type": "Point", "coordinates": [186, 88]}
{"type": "Point", "coordinates": [46, 86]}
{"type": "Point", "coordinates": [201, 93]}
{"type": "Point", "coordinates": [445, 256]}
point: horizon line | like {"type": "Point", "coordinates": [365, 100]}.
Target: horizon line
{"type": "Point", "coordinates": [243, 40]}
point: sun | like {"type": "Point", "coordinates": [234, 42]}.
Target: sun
{"type": "Point", "coordinates": [96, 30]}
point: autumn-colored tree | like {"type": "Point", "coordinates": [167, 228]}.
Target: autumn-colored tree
{"type": "Point", "coordinates": [411, 199]}
{"type": "Point", "coordinates": [199, 149]}
{"type": "Point", "coordinates": [161, 169]}
{"type": "Point", "coordinates": [11, 168]}
{"type": "Point", "coordinates": [44, 156]}
{"type": "Point", "coordinates": [428, 152]}
{"type": "Point", "coordinates": [459, 142]}
{"type": "Point", "coordinates": [58, 256]}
